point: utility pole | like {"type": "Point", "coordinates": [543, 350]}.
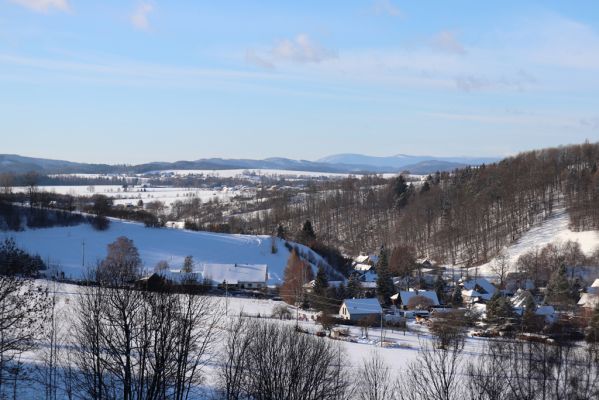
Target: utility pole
{"type": "Point", "coordinates": [83, 253]}
{"type": "Point", "coordinates": [381, 327]}
{"type": "Point", "coordinates": [226, 299]}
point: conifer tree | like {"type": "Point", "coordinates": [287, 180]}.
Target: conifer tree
{"type": "Point", "coordinates": [499, 308]}
{"type": "Point", "coordinates": [531, 322]}
{"type": "Point", "coordinates": [354, 287]}
{"type": "Point", "coordinates": [307, 235]}
{"type": "Point", "coordinates": [440, 288]}
{"type": "Point", "coordinates": [456, 298]}
{"type": "Point", "coordinates": [320, 291]}
{"type": "Point", "coordinates": [558, 289]}
{"type": "Point", "coordinates": [187, 265]}
{"type": "Point", "coordinates": [384, 283]}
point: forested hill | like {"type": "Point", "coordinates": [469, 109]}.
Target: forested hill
{"type": "Point", "coordinates": [465, 216]}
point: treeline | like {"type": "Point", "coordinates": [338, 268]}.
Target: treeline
{"type": "Point", "coordinates": [466, 216]}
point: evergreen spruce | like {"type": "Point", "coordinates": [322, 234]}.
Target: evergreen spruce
{"type": "Point", "coordinates": [440, 289]}
{"type": "Point", "coordinates": [499, 308]}
{"type": "Point", "coordinates": [354, 287]}
{"type": "Point", "coordinates": [384, 283]}
{"type": "Point", "coordinates": [456, 298]}
{"type": "Point", "coordinates": [559, 290]}
{"type": "Point", "coordinates": [307, 235]}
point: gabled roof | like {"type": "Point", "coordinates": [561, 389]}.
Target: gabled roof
{"type": "Point", "coordinates": [406, 296]}
{"type": "Point", "coordinates": [596, 283]}
{"type": "Point", "coordinates": [361, 259]}
{"type": "Point", "coordinates": [363, 306]}
{"type": "Point", "coordinates": [589, 300]}
{"type": "Point", "coordinates": [475, 285]}
{"type": "Point", "coordinates": [520, 297]}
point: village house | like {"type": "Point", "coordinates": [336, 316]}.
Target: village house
{"type": "Point", "coordinates": [411, 297]}
{"type": "Point", "coordinates": [477, 290]}
{"type": "Point", "coordinates": [520, 299]}
{"type": "Point", "coordinates": [357, 309]}
{"type": "Point", "coordinates": [235, 276]}
{"type": "Point", "coordinates": [590, 299]}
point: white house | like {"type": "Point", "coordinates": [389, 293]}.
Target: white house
{"type": "Point", "coordinates": [357, 309]}
{"type": "Point", "coordinates": [242, 276]}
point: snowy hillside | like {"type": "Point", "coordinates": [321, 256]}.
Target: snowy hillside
{"type": "Point", "coordinates": [554, 229]}
{"type": "Point", "coordinates": [64, 247]}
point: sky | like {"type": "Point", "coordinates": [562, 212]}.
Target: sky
{"type": "Point", "coordinates": [137, 81]}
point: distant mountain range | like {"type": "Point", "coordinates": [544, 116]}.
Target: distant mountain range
{"type": "Point", "coordinates": [340, 163]}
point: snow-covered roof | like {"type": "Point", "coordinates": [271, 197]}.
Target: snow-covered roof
{"type": "Point", "coordinates": [589, 300]}
{"type": "Point", "coordinates": [235, 273]}
{"type": "Point", "coordinates": [361, 259]}
{"type": "Point", "coordinates": [595, 284]}
{"type": "Point", "coordinates": [520, 297]}
{"type": "Point", "coordinates": [406, 296]}
{"type": "Point", "coordinates": [475, 285]}
{"type": "Point", "coordinates": [363, 306]}
{"type": "Point", "coordinates": [362, 267]}
{"type": "Point", "coordinates": [369, 276]}
{"type": "Point", "coordinates": [545, 311]}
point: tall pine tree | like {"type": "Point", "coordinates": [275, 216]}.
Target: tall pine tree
{"type": "Point", "coordinates": [320, 291]}
{"type": "Point", "coordinates": [559, 290]}
{"type": "Point", "coordinates": [384, 282]}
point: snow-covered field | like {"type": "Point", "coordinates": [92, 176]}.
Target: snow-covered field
{"type": "Point", "coordinates": [245, 173]}
{"type": "Point", "coordinates": [167, 195]}
{"type": "Point", "coordinates": [401, 346]}
{"type": "Point", "coordinates": [70, 247]}
{"type": "Point", "coordinates": [554, 229]}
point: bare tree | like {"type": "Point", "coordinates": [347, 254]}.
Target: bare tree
{"type": "Point", "coordinates": [23, 307]}
{"type": "Point", "coordinates": [374, 380]}
{"type": "Point", "coordinates": [500, 267]}
{"type": "Point", "coordinates": [270, 361]}
{"type": "Point", "coordinates": [435, 375]}
{"type": "Point", "coordinates": [6, 182]}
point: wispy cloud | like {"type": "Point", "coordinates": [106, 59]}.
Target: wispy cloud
{"type": "Point", "coordinates": [140, 16]}
{"type": "Point", "coordinates": [299, 50]}
{"type": "Point", "coordinates": [517, 81]}
{"type": "Point", "coordinates": [43, 5]}
{"type": "Point", "coordinates": [252, 57]}
{"type": "Point", "coordinates": [386, 7]}
{"type": "Point", "coordinates": [447, 41]}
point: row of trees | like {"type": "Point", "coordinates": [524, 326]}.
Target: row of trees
{"type": "Point", "coordinates": [269, 361]}
{"type": "Point", "coordinates": [467, 216]}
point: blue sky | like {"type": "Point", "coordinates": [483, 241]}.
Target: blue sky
{"type": "Point", "coordinates": [136, 81]}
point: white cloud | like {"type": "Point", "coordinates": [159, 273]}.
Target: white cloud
{"type": "Point", "coordinates": [43, 5]}
{"type": "Point", "coordinates": [447, 41]}
{"type": "Point", "coordinates": [139, 18]}
{"type": "Point", "coordinates": [299, 50]}
{"type": "Point", "coordinates": [386, 7]}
